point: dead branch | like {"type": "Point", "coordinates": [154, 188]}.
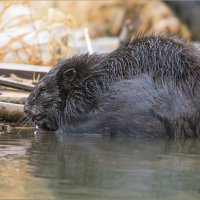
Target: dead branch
{"type": "Point", "coordinates": [16, 84]}
{"type": "Point", "coordinates": [11, 112]}
{"type": "Point", "coordinates": [13, 99]}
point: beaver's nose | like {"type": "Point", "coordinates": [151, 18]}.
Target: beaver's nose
{"type": "Point", "coordinates": [27, 108]}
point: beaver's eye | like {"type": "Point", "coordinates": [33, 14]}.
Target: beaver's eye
{"type": "Point", "coordinates": [44, 90]}
{"type": "Point", "coordinates": [47, 90]}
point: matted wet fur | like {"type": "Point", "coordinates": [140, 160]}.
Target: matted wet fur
{"type": "Point", "coordinates": [68, 94]}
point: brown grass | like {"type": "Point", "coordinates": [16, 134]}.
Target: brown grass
{"type": "Point", "coordinates": [47, 52]}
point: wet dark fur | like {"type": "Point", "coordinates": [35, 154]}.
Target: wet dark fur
{"type": "Point", "coordinates": [171, 97]}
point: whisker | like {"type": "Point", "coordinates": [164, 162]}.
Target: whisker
{"type": "Point", "coordinates": [26, 121]}
{"type": "Point", "coordinates": [21, 120]}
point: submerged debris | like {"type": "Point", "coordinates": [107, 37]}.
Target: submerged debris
{"type": "Point", "coordinates": [6, 128]}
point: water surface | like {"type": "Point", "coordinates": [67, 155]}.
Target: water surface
{"type": "Point", "coordinates": [49, 166]}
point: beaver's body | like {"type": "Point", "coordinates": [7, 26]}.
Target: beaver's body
{"type": "Point", "coordinates": [99, 93]}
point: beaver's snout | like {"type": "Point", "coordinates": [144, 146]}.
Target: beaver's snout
{"type": "Point", "coordinates": [27, 107]}
{"type": "Point", "coordinates": [40, 120]}
{"type": "Point", "coordinates": [45, 124]}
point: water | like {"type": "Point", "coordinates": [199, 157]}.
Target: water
{"type": "Point", "coordinates": [48, 166]}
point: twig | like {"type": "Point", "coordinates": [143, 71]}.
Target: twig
{"type": "Point", "coordinates": [89, 45]}
{"type": "Point", "coordinates": [16, 84]}
{"type": "Point", "coordinates": [13, 99]}
{"type": "Point", "coordinates": [12, 112]}
{"type": "Point", "coordinates": [11, 107]}
{"type": "Point", "coordinates": [24, 67]}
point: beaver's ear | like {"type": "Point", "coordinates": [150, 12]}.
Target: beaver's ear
{"type": "Point", "coordinates": [69, 75]}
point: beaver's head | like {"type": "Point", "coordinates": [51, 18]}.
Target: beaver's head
{"type": "Point", "coordinates": [66, 90]}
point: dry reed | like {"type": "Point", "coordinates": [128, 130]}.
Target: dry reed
{"type": "Point", "coordinates": [29, 39]}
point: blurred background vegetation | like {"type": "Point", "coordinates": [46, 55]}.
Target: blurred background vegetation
{"type": "Point", "coordinates": [42, 32]}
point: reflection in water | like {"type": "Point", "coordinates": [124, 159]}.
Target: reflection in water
{"type": "Point", "coordinates": [16, 180]}
{"type": "Point", "coordinates": [64, 167]}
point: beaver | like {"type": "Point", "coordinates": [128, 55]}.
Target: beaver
{"type": "Point", "coordinates": [72, 96]}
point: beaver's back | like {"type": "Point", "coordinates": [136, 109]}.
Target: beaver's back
{"type": "Point", "coordinates": [167, 60]}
